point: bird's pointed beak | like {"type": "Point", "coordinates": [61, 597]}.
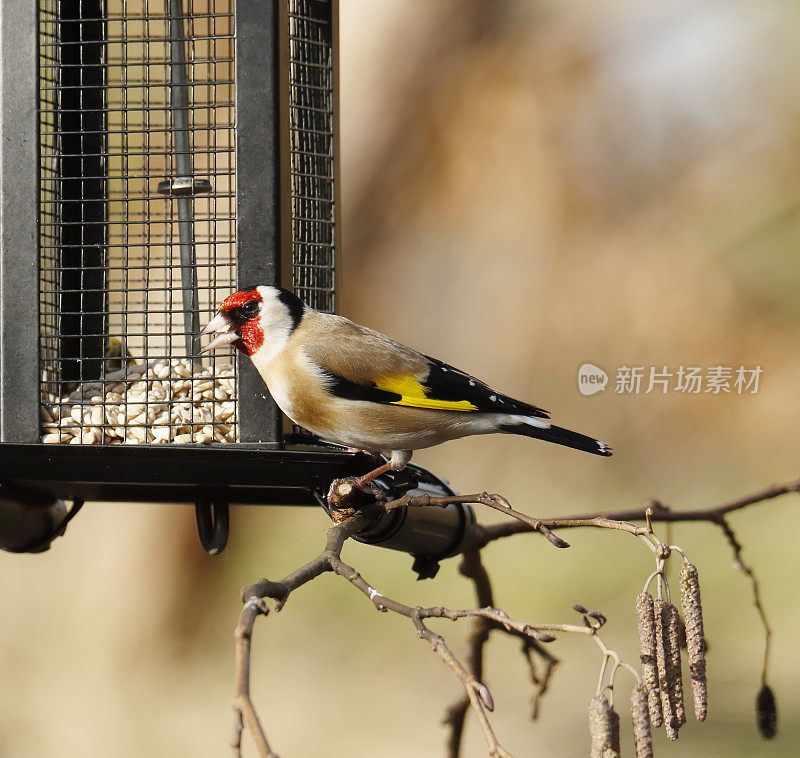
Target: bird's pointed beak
{"type": "Point", "coordinates": [225, 330]}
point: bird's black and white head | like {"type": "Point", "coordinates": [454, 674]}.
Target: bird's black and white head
{"type": "Point", "coordinates": [256, 320]}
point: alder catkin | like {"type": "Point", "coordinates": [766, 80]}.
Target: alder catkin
{"type": "Point", "coordinates": [642, 738]}
{"type": "Point", "coordinates": [647, 654]}
{"type": "Point", "coordinates": [695, 637]}
{"type": "Point", "coordinates": [766, 713]}
{"type": "Point", "coordinates": [603, 728]}
{"type": "Point", "coordinates": [664, 661]}
{"type": "Point", "coordinates": [675, 672]}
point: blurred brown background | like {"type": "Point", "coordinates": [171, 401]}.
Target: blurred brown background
{"type": "Point", "coordinates": [527, 186]}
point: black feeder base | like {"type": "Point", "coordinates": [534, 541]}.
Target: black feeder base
{"type": "Point", "coordinates": [211, 477]}
{"type": "Point", "coordinates": [215, 477]}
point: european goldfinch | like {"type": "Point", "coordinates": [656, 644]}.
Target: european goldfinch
{"type": "Point", "coordinates": [117, 357]}
{"type": "Point", "coordinates": [355, 386]}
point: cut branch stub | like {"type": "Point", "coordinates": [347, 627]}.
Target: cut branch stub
{"type": "Point", "coordinates": [347, 496]}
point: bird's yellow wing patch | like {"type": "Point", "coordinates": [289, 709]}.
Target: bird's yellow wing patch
{"type": "Point", "coordinates": [439, 405]}
{"type": "Point", "coordinates": [414, 394]}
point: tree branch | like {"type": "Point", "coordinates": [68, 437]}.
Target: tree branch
{"type": "Point", "coordinates": [243, 709]}
{"type": "Point", "coordinates": [484, 618]}
{"type": "Point", "coordinates": [455, 717]}
{"type": "Point", "coordinates": [747, 570]}
{"type": "Point", "coordinates": [280, 591]}
{"type": "Point", "coordinates": [329, 559]}
{"type": "Point", "coordinates": [653, 510]}
{"type": "Point", "coordinates": [531, 649]}
{"type": "Point", "coordinates": [497, 502]}
{"type": "Point", "coordinates": [479, 696]}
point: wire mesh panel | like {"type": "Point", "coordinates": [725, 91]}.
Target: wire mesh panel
{"type": "Point", "coordinates": [139, 207]}
{"type": "Point", "coordinates": [137, 218]}
{"type": "Point", "coordinates": [312, 143]}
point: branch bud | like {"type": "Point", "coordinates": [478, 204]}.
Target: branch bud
{"type": "Point", "coordinates": [598, 617]}
{"type": "Point", "coordinates": [485, 695]}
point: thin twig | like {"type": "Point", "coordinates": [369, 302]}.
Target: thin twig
{"type": "Point", "coordinates": [472, 567]}
{"type": "Point", "coordinates": [243, 709]}
{"type": "Point", "coordinates": [704, 514]}
{"type": "Point", "coordinates": [488, 533]}
{"type": "Point", "coordinates": [497, 502]}
{"type": "Point", "coordinates": [746, 569]}
{"type": "Point", "coordinates": [479, 695]}
{"type": "Point", "coordinates": [530, 650]}
{"type": "Point", "coordinates": [330, 560]}
{"type": "Point", "coordinates": [335, 539]}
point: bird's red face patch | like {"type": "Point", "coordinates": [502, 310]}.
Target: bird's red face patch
{"type": "Point", "coordinates": [251, 335]}
{"type": "Point", "coordinates": [238, 299]}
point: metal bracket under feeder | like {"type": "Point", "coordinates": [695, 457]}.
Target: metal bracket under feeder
{"type": "Point", "coordinates": [428, 534]}
{"type": "Point", "coordinates": [213, 523]}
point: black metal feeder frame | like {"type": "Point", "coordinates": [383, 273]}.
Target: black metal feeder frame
{"type": "Point", "coordinates": [157, 155]}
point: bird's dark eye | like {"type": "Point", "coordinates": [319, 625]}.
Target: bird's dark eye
{"type": "Point", "coordinates": [249, 309]}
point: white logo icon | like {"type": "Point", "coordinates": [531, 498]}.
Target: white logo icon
{"type": "Point", "coordinates": [591, 379]}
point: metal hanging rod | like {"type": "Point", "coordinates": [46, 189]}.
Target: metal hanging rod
{"type": "Point", "coordinates": [184, 186]}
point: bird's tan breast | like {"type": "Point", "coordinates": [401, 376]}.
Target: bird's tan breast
{"type": "Point", "coordinates": [296, 388]}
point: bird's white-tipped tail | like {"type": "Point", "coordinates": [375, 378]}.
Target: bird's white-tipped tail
{"type": "Point", "coordinates": [538, 429]}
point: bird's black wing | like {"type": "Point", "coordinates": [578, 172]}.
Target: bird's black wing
{"type": "Point", "coordinates": [448, 383]}
{"type": "Point", "coordinates": [442, 388]}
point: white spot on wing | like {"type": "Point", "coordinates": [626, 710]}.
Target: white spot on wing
{"type": "Point", "coordinates": [493, 398]}
{"type": "Point", "coordinates": [471, 382]}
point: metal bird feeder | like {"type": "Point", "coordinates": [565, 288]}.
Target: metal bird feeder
{"type": "Point", "coordinates": [156, 155]}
